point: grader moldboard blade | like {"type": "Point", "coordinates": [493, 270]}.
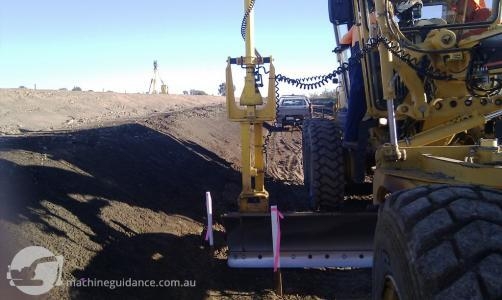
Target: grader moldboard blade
{"type": "Point", "coordinates": [308, 240]}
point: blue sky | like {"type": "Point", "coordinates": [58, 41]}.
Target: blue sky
{"type": "Point", "coordinates": [111, 45]}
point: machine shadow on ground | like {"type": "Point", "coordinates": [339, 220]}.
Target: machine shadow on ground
{"type": "Point", "coordinates": [143, 168]}
{"type": "Point", "coordinates": [183, 258]}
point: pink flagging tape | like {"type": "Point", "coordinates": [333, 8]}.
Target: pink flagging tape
{"type": "Point", "coordinates": [207, 235]}
{"type": "Point", "coordinates": [276, 216]}
{"type": "Point", "coordinates": [209, 209]}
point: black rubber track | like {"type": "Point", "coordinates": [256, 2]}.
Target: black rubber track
{"type": "Point", "coordinates": [324, 171]}
{"type": "Point", "coordinates": [440, 242]}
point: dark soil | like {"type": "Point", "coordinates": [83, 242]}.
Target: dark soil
{"type": "Point", "coordinates": [126, 200]}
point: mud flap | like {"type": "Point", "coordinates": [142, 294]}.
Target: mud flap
{"type": "Point", "coordinates": [308, 240]}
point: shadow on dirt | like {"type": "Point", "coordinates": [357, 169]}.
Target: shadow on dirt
{"type": "Point", "coordinates": [162, 257]}
{"type": "Point", "coordinates": [128, 163]}
{"type": "Point", "coordinates": [141, 167]}
{"type": "Point", "coordinates": [272, 128]}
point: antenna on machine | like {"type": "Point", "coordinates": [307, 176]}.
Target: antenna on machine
{"type": "Point", "coordinates": [153, 82]}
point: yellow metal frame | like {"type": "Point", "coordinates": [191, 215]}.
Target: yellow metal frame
{"type": "Point", "coordinates": [406, 163]}
{"type": "Point", "coordinates": [251, 113]}
{"type": "Point", "coordinates": [415, 161]}
{"type": "Point", "coordinates": [429, 165]}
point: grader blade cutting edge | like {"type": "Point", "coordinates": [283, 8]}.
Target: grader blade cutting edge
{"type": "Point", "coordinates": [308, 240]}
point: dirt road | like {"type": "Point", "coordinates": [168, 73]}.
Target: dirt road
{"type": "Point", "coordinates": [124, 197]}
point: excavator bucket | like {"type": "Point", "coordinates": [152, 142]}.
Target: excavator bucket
{"type": "Point", "coordinates": [308, 240]}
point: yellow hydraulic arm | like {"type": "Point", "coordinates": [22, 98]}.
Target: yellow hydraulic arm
{"type": "Point", "coordinates": [251, 113]}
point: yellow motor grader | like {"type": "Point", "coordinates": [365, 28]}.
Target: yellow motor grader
{"type": "Point", "coordinates": [432, 73]}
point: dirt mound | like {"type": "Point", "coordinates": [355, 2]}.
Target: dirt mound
{"type": "Point", "coordinates": [126, 199]}
{"type": "Point", "coordinates": [24, 110]}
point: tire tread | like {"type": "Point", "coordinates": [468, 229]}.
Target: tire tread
{"type": "Point", "coordinates": [450, 233]}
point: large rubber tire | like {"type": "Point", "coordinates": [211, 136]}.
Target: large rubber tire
{"type": "Point", "coordinates": [324, 173]}
{"type": "Point", "coordinates": [306, 152]}
{"type": "Point", "coordinates": [439, 242]}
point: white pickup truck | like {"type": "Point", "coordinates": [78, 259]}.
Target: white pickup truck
{"type": "Point", "coordinates": [292, 110]}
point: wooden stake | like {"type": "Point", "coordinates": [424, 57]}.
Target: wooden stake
{"type": "Point", "coordinates": [278, 282]}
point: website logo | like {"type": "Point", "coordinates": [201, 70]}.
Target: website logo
{"type": "Point", "coordinates": [35, 270]}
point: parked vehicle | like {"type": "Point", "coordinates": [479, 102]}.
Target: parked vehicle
{"type": "Point", "coordinates": [292, 110]}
